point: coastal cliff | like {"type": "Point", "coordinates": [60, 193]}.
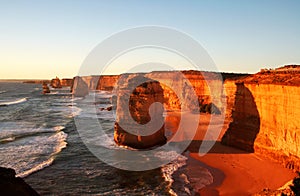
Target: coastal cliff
{"type": "Point", "coordinates": [107, 82]}
{"type": "Point", "coordinates": [262, 109]}
{"type": "Point", "coordinates": [264, 112]}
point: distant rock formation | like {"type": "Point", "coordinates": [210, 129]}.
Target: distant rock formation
{"type": "Point", "coordinates": [135, 96]}
{"type": "Point", "coordinates": [79, 87]}
{"type": "Point", "coordinates": [55, 83]}
{"type": "Point", "coordinates": [45, 88]}
{"type": "Point", "coordinates": [107, 82]}
{"type": "Point", "coordinates": [65, 82]}
{"type": "Point", "coordinates": [11, 185]}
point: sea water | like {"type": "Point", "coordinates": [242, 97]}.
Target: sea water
{"type": "Point", "coordinates": [38, 138]}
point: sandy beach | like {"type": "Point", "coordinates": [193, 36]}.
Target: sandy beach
{"type": "Point", "coordinates": [235, 172]}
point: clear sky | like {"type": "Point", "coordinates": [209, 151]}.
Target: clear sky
{"type": "Point", "coordinates": [44, 39]}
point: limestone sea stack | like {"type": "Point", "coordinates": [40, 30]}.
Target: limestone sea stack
{"type": "Point", "coordinates": [139, 123]}
{"type": "Point", "coordinates": [55, 83]}
{"type": "Point", "coordinates": [45, 88]}
{"type": "Point", "coordinates": [79, 87]}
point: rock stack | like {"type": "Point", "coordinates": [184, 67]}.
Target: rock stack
{"type": "Point", "coordinates": [55, 83]}
{"type": "Point", "coordinates": [139, 123]}
{"type": "Point", "coordinates": [45, 88]}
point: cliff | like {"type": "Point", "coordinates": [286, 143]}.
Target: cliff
{"type": "Point", "coordinates": [66, 82]}
{"type": "Point", "coordinates": [262, 109]}
{"type": "Point", "coordinates": [107, 82]}
{"type": "Point", "coordinates": [264, 112]}
{"type": "Point", "coordinates": [176, 90]}
{"type": "Point", "coordinates": [187, 83]}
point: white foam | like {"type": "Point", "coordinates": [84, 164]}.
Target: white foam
{"type": "Point", "coordinates": [8, 139]}
{"type": "Point", "coordinates": [2, 92]}
{"type": "Point", "coordinates": [58, 128]}
{"type": "Point", "coordinates": [61, 137]}
{"type": "Point", "coordinates": [30, 154]}
{"type": "Point", "coordinates": [22, 100]}
{"type": "Point", "coordinates": [169, 169]}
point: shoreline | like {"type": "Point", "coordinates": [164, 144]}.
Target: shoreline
{"type": "Point", "coordinates": [236, 172]}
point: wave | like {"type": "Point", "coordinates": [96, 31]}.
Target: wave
{"type": "Point", "coordinates": [22, 100]}
{"type": "Point", "coordinates": [8, 139]}
{"type": "Point", "coordinates": [61, 138]}
{"type": "Point", "coordinates": [169, 169]}
{"type": "Point", "coordinates": [2, 92]}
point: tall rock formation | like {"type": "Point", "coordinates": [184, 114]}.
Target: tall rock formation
{"type": "Point", "coordinates": [264, 112]}
{"type": "Point", "coordinates": [139, 122]}
{"type": "Point", "coordinates": [55, 83]}
{"type": "Point", "coordinates": [79, 87]}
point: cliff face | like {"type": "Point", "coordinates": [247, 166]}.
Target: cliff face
{"type": "Point", "coordinates": [188, 83]}
{"type": "Point", "coordinates": [66, 82]}
{"type": "Point", "coordinates": [107, 82]}
{"type": "Point", "coordinates": [265, 116]}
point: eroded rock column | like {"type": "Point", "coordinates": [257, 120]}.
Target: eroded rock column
{"type": "Point", "coordinates": [139, 118]}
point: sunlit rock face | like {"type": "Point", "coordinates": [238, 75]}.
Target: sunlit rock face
{"type": "Point", "coordinates": [264, 113]}
{"type": "Point", "coordinates": [205, 85]}
{"type": "Point", "coordinates": [107, 82]}
{"type": "Point", "coordinates": [135, 104]}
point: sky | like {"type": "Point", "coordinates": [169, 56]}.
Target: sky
{"type": "Point", "coordinates": [44, 39]}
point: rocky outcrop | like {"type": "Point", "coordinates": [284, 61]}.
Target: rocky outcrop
{"type": "Point", "coordinates": [55, 83]}
{"type": "Point", "coordinates": [264, 113]}
{"type": "Point", "coordinates": [136, 96]}
{"type": "Point", "coordinates": [46, 88]}
{"type": "Point", "coordinates": [11, 185]}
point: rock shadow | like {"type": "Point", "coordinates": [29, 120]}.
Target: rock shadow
{"type": "Point", "coordinates": [245, 125]}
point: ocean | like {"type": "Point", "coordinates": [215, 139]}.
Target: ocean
{"type": "Point", "coordinates": [39, 139]}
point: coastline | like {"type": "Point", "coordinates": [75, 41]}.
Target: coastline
{"type": "Point", "coordinates": [236, 172]}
